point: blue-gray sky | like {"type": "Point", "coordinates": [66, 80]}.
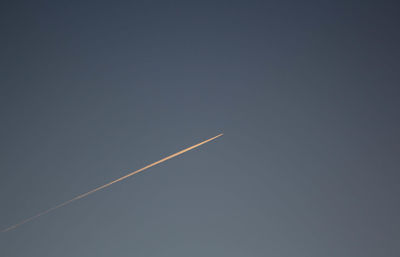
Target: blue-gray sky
{"type": "Point", "coordinates": [306, 93]}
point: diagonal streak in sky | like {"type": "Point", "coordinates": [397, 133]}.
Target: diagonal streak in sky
{"type": "Point", "coordinates": [109, 184]}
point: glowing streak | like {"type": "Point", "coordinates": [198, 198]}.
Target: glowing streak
{"type": "Point", "coordinates": [109, 184]}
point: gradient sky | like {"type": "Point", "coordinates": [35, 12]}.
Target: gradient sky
{"type": "Point", "coordinates": [306, 93]}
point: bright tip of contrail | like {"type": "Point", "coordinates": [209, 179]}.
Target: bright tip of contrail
{"type": "Point", "coordinates": [109, 184]}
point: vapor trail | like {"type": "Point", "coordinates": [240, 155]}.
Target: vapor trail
{"type": "Point", "coordinates": [109, 184]}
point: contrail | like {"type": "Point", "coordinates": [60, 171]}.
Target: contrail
{"type": "Point", "coordinates": [109, 184]}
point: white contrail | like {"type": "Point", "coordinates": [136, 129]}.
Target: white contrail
{"type": "Point", "coordinates": [109, 183]}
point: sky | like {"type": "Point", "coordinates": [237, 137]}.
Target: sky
{"type": "Point", "coordinates": [306, 93]}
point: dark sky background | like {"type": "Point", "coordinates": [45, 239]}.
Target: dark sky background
{"type": "Point", "coordinates": [306, 92]}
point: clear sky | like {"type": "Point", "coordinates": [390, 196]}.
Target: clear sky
{"type": "Point", "coordinates": [306, 93]}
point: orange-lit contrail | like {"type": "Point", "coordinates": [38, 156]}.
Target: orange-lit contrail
{"type": "Point", "coordinates": [109, 184]}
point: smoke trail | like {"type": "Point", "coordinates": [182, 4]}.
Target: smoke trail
{"type": "Point", "coordinates": [109, 184]}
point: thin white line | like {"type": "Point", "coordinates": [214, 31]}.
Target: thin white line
{"type": "Point", "coordinates": [108, 184]}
